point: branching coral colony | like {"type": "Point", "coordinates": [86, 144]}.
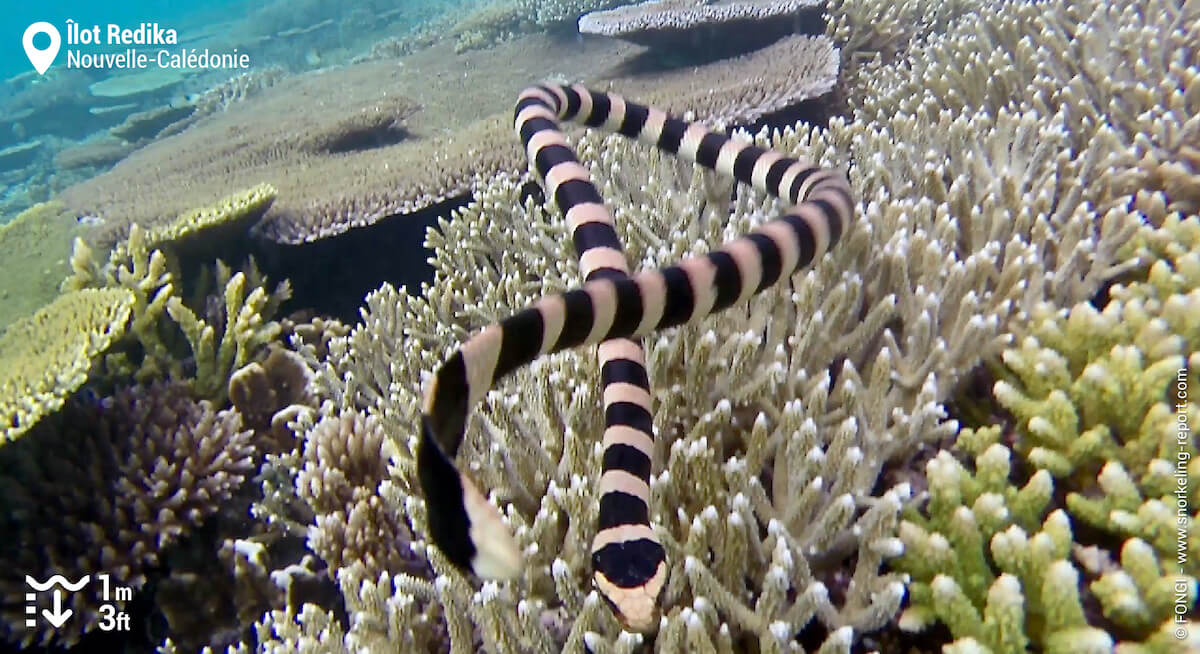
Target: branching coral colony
{"type": "Point", "coordinates": [775, 421]}
{"type": "Point", "coordinates": [612, 307]}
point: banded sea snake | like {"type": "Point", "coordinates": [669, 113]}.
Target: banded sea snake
{"type": "Point", "coordinates": [629, 564]}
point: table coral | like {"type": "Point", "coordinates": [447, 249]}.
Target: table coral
{"type": "Point", "coordinates": [36, 244]}
{"type": "Point", "coordinates": [678, 24]}
{"type": "Point", "coordinates": [47, 356]}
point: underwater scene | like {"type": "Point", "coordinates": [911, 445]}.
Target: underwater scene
{"type": "Point", "coordinates": [716, 326]}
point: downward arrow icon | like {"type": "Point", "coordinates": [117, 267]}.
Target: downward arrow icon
{"type": "Point", "coordinates": [59, 617]}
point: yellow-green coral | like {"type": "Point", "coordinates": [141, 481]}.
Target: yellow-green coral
{"type": "Point", "coordinates": [218, 344]}
{"type": "Point", "coordinates": [145, 275]}
{"type": "Point", "coordinates": [1102, 405]}
{"type": "Point", "coordinates": [36, 245]}
{"type": "Point", "coordinates": [233, 212]}
{"type": "Point", "coordinates": [1099, 395]}
{"type": "Point", "coordinates": [244, 333]}
{"type": "Point", "coordinates": [236, 208]}
{"type": "Point", "coordinates": [984, 561]}
{"type": "Point", "coordinates": [47, 356]}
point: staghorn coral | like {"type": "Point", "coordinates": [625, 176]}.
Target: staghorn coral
{"type": "Point", "coordinates": [240, 325]}
{"type": "Point", "coordinates": [145, 275]}
{"type": "Point", "coordinates": [974, 215]}
{"type": "Point", "coordinates": [866, 29]}
{"type": "Point", "coordinates": [1099, 397]}
{"type": "Point", "coordinates": [1121, 77]}
{"type": "Point", "coordinates": [103, 487]}
{"type": "Point", "coordinates": [232, 326]}
{"type": "Point", "coordinates": [992, 561]}
{"type": "Point", "coordinates": [731, 441]}
{"type": "Point", "coordinates": [313, 629]}
{"type": "Point", "coordinates": [47, 356]}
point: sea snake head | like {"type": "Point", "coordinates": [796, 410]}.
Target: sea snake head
{"type": "Point", "coordinates": [462, 523]}
{"type": "Point", "coordinates": [630, 571]}
{"type": "Point", "coordinates": [636, 606]}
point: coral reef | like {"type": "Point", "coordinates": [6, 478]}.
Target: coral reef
{"type": "Point", "coordinates": [1063, 60]}
{"type": "Point", "coordinates": [377, 157]}
{"type": "Point", "coordinates": [343, 166]}
{"type": "Point", "coordinates": [100, 152]}
{"type": "Point", "coordinates": [47, 356]}
{"type": "Point", "coordinates": [36, 245]}
{"type": "Point", "coordinates": [18, 156]}
{"type": "Point", "coordinates": [261, 391]}
{"type": "Point", "coordinates": [127, 85]}
{"type": "Point", "coordinates": [222, 332]}
{"type": "Point", "coordinates": [352, 118]}
{"type": "Point", "coordinates": [104, 486]}
{"type": "Point", "coordinates": [763, 419]}
{"type": "Point", "coordinates": [991, 560]}
{"type": "Point", "coordinates": [237, 88]}
{"type": "Point", "coordinates": [680, 23]}
{"type": "Point", "coordinates": [230, 336]}
{"type": "Point", "coordinates": [794, 477]}
{"type": "Point", "coordinates": [141, 127]}
{"type": "Point", "coordinates": [1101, 404]}
{"type": "Point", "coordinates": [1013, 159]}
{"type": "Point", "coordinates": [552, 13]}
{"type": "Point", "coordinates": [868, 30]}
{"type": "Point", "coordinates": [344, 479]}
{"type": "Point", "coordinates": [742, 89]}
{"type": "Point", "coordinates": [489, 24]}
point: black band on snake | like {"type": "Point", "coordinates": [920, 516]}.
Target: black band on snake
{"type": "Point", "coordinates": [611, 308]}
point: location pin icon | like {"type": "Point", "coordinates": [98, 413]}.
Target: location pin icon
{"type": "Point", "coordinates": [41, 59]}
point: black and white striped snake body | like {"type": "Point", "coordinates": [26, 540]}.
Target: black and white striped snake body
{"type": "Point", "coordinates": [612, 308]}
{"type": "Point", "coordinates": [628, 563]}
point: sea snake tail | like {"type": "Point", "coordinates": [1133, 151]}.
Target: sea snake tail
{"type": "Point", "coordinates": [629, 564]}
{"type": "Point", "coordinates": [467, 528]}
